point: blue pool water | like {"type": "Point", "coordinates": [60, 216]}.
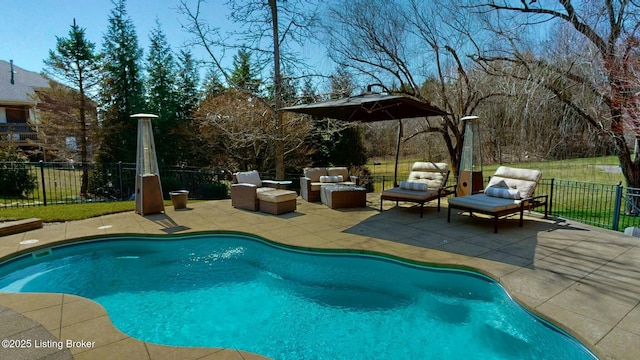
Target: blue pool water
{"type": "Point", "coordinates": [237, 292]}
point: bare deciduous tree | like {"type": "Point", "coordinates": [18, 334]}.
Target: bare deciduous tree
{"type": "Point", "coordinates": [266, 29]}
{"type": "Point", "coordinates": [402, 44]}
{"type": "Point", "coordinates": [596, 79]}
{"type": "Point", "coordinates": [238, 124]}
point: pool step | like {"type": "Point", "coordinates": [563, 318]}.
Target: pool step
{"type": "Point", "coordinates": [14, 227]}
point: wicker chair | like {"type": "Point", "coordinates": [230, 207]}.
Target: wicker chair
{"type": "Point", "coordinates": [245, 189]}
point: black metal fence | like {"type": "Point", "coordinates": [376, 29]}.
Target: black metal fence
{"type": "Point", "coordinates": [62, 183]}
{"type": "Point", "coordinates": [609, 206]}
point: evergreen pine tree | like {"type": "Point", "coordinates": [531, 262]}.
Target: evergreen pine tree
{"type": "Point", "coordinates": [212, 85]}
{"type": "Point", "coordinates": [188, 98]}
{"type": "Point", "coordinates": [244, 74]}
{"type": "Point", "coordinates": [122, 90]}
{"type": "Point", "coordinates": [76, 64]}
{"type": "Point", "coordinates": [187, 86]}
{"type": "Point", "coordinates": [162, 95]}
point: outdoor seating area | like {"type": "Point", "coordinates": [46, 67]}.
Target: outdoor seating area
{"type": "Point", "coordinates": [427, 181]}
{"type": "Point", "coordinates": [510, 191]}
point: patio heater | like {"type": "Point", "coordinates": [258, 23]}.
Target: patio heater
{"type": "Point", "coordinates": [149, 198]}
{"type": "Point", "coordinates": [470, 174]}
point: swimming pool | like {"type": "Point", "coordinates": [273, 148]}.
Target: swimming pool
{"type": "Point", "coordinates": [238, 292]}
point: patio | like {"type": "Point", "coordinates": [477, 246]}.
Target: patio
{"type": "Point", "coordinates": [585, 279]}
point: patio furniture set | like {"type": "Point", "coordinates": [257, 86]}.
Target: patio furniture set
{"type": "Point", "coordinates": [509, 191]}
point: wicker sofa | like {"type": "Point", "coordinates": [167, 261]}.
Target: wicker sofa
{"type": "Point", "coordinates": [314, 178]}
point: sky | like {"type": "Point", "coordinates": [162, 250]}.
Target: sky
{"type": "Point", "coordinates": [29, 28]}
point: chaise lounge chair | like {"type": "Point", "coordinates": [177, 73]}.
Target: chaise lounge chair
{"type": "Point", "coordinates": [427, 181]}
{"type": "Point", "coordinates": [509, 191]}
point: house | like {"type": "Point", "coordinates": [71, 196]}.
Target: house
{"type": "Point", "coordinates": [18, 104]}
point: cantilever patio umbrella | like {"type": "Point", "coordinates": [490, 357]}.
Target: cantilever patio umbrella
{"type": "Point", "coordinates": [369, 107]}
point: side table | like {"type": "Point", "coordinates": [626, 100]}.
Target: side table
{"type": "Point", "coordinates": [277, 184]}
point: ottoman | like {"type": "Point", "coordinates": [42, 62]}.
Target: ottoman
{"type": "Point", "coordinates": [343, 196]}
{"type": "Point", "coordinates": [277, 201]}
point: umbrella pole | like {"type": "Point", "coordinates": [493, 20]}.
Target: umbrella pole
{"type": "Point", "coordinates": [395, 171]}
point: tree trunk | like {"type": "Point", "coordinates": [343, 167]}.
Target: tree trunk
{"type": "Point", "coordinates": [277, 85]}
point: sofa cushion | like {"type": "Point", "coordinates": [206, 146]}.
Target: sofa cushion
{"type": "Point", "coordinates": [338, 171]}
{"type": "Point", "coordinates": [314, 173]}
{"type": "Point", "coordinates": [414, 185]}
{"type": "Point", "coordinates": [249, 177]}
{"type": "Point", "coordinates": [331, 178]}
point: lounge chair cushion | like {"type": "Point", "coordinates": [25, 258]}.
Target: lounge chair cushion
{"type": "Point", "coordinates": [523, 180]}
{"type": "Point", "coordinates": [313, 174]}
{"type": "Point", "coordinates": [433, 174]}
{"type": "Point", "coordinates": [401, 194]}
{"type": "Point", "coordinates": [249, 177]}
{"type": "Point", "coordinates": [483, 202]}
{"type": "Point", "coordinates": [331, 178]}
{"type": "Point", "coordinates": [502, 192]}
{"type": "Point", "coordinates": [414, 185]}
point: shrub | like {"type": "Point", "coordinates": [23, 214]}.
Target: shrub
{"type": "Point", "coordinates": [15, 176]}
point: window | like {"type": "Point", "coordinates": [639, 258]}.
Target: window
{"type": "Point", "coordinates": [17, 114]}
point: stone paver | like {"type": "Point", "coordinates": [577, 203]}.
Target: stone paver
{"type": "Point", "coordinates": [584, 279]}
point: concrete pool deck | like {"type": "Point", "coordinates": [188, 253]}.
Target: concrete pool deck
{"type": "Point", "coordinates": [584, 279]}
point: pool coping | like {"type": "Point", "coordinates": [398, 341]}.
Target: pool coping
{"type": "Point", "coordinates": [354, 243]}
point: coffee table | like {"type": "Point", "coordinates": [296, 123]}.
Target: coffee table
{"type": "Point", "coordinates": [343, 196]}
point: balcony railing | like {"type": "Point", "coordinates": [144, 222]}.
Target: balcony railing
{"type": "Point", "coordinates": [18, 132]}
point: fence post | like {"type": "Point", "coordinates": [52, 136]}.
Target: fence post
{"type": "Point", "coordinates": [120, 179]}
{"type": "Point", "coordinates": [182, 182]}
{"type": "Point", "coordinates": [616, 210]}
{"type": "Point", "coordinates": [551, 197]}
{"type": "Point", "coordinates": [44, 187]}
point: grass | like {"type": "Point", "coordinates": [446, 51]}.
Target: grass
{"type": "Point", "coordinates": [69, 212]}
{"type": "Point", "coordinates": [55, 213]}
{"type": "Point", "coordinates": [584, 169]}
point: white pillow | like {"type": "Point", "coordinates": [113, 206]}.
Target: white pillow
{"type": "Point", "coordinates": [331, 179]}
{"type": "Point", "coordinates": [502, 192]}
{"type": "Point", "coordinates": [249, 177]}
{"type": "Point", "coordinates": [412, 185]}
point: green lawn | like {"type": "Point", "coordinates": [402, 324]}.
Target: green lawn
{"type": "Point", "coordinates": [53, 213]}
{"type": "Point", "coordinates": [585, 169]}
